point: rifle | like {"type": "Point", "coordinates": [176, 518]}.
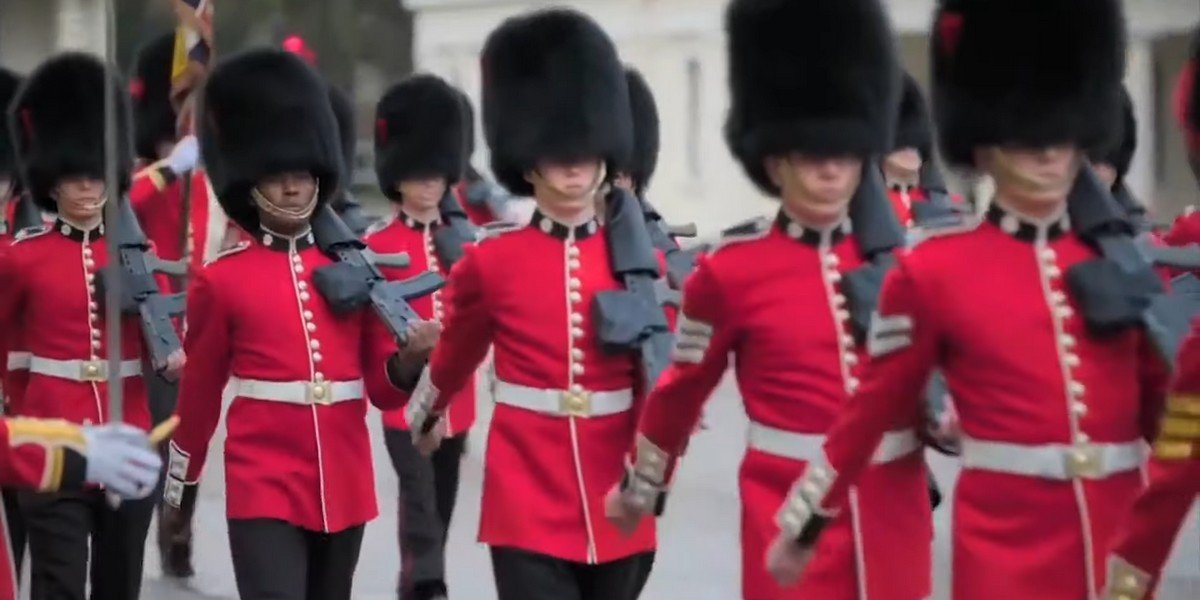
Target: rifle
{"type": "Point", "coordinates": [355, 281]}
{"type": "Point", "coordinates": [27, 214]}
{"type": "Point", "coordinates": [878, 233]}
{"type": "Point", "coordinates": [1120, 288]}
{"type": "Point", "coordinates": [132, 276]}
{"type": "Point", "coordinates": [938, 210]}
{"type": "Point", "coordinates": [680, 262]}
{"type": "Point", "coordinates": [633, 318]}
{"type": "Point", "coordinates": [456, 233]}
{"type": "Point", "coordinates": [482, 192]}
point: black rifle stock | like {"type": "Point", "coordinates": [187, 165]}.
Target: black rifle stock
{"type": "Point", "coordinates": [140, 294]}
{"type": "Point", "coordinates": [456, 233]}
{"type": "Point", "coordinates": [355, 280]}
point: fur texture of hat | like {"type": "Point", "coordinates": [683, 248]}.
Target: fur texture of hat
{"type": "Point", "coordinates": [266, 112]}
{"type": "Point", "coordinates": [1120, 154]}
{"type": "Point", "coordinates": [553, 89]}
{"type": "Point", "coordinates": [831, 89]}
{"type": "Point", "coordinates": [9, 83]}
{"type": "Point", "coordinates": [57, 123]}
{"type": "Point", "coordinates": [419, 132]}
{"type": "Point", "coordinates": [1060, 84]}
{"type": "Point", "coordinates": [343, 112]}
{"type": "Point", "coordinates": [150, 89]}
{"type": "Point", "coordinates": [645, 130]}
{"type": "Point", "coordinates": [913, 129]}
{"type": "Point", "coordinates": [1187, 97]}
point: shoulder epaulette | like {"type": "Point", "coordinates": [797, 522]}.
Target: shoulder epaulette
{"type": "Point", "coordinates": [236, 248]}
{"type": "Point", "coordinates": [495, 229]}
{"type": "Point", "coordinates": [29, 233]}
{"type": "Point", "coordinates": [378, 226]}
{"type": "Point", "coordinates": [752, 229]}
{"type": "Point", "coordinates": [967, 224]}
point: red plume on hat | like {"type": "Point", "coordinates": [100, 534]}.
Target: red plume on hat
{"type": "Point", "coordinates": [296, 45]}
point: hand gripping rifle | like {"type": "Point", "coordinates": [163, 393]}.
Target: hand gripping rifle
{"type": "Point", "coordinates": [1120, 289]}
{"type": "Point", "coordinates": [457, 232]}
{"type": "Point", "coordinates": [633, 318]}
{"type": "Point", "coordinates": [137, 291]}
{"type": "Point", "coordinates": [355, 281]}
{"type": "Point", "coordinates": [680, 262]}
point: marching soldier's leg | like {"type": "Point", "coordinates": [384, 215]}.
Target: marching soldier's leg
{"type": "Point", "coordinates": [616, 580]}
{"type": "Point", "coordinates": [422, 569]}
{"type": "Point", "coordinates": [118, 548]}
{"type": "Point", "coordinates": [332, 558]}
{"type": "Point", "coordinates": [16, 527]}
{"type": "Point", "coordinates": [522, 575]}
{"type": "Point", "coordinates": [58, 525]}
{"type": "Point", "coordinates": [446, 465]}
{"type": "Point", "coordinates": [270, 559]}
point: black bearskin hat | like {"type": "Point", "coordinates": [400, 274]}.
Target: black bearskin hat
{"type": "Point", "coordinates": [265, 112]}
{"type": "Point", "coordinates": [645, 130]}
{"type": "Point", "coordinates": [831, 89]}
{"type": "Point", "coordinates": [343, 112]}
{"type": "Point", "coordinates": [1120, 154]}
{"type": "Point", "coordinates": [1060, 84]}
{"type": "Point", "coordinates": [553, 89]}
{"type": "Point", "coordinates": [419, 132]}
{"type": "Point", "coordinates": [1187, 97]}
{"type": "Point", "coordinates": [153, 114]}
{"type": "Point", "coordinates": [913, 129]}
{"type": "Point", "coordinates": [57, 122]}
{"type": "Point", "coordinates": [468, 126]}
{"type": "Point", "coordinates": [9, 82]}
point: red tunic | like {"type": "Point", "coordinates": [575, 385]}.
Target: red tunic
{"type": "Point", "coordinates": [529, 293]}
{"type": "Point", "coordinates": [1053, 417]}
{"type": "Point", "coordinates": [158, 202]}
{"type": "Point", "coordinates": [793, 374]}
{"type": "Point", "coordinates": [1185, 230]}
{"type": "Point", "coordinates": [255, 315]}
{"type": "Point", "coordinates": [903, 198]}
{"type": "Point", "coordinates": [405, 234]}
{"type": "Point", "coordinates": [1144, 543]}
{"type": "Point", "coordinates": [48, 286]}
{"type": "Point", "coordinates": [35, 455]}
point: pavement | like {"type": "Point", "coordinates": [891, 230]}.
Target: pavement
{"type": "Point", "coordinates": [698, 558]}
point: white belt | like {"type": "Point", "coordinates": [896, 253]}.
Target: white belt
{"type": "Point", "coordinates": [808, 446]}
{"type": "Point", "coordinates": [298, 392]}
{"type": "Point", "coordinates": [1053, 461]}
{"type": "Point", "coordinates": [80, 370]}
{"type": "Point", "coordinates": [19, 361]}
{"type": "Point", "coordinates": [564, 403]}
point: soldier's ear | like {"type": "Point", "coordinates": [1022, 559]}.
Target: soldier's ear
{"type": "Point", "coordinates": [771, 166]}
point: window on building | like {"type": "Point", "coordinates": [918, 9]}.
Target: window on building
{"type": "Point", "coordinates": [691, 142]}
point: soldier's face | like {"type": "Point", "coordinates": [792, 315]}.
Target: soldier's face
{"type": "Point", "coordinates": [289, 191]}
{"type": "Point", "coordinates": [902, 163]}
{"type": "Point", "coordinates": [1106, 172]}
{"type": "Point", "coordinates": [816, 189]}
{"type": "Point", "coordinates": [422, 193]}
{"type": "Point", "coordinates": [566, 183]}
{"type": "Point", "coordinates": [80, 198]}
{"type": "Point", "coordinates": [1033, 175]}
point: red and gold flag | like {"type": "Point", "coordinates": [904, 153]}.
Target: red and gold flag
{"type": "Point", "coordinates": [193, 46]}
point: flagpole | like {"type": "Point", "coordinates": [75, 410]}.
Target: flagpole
{"type": "Point", "coordinates": [112, 287]}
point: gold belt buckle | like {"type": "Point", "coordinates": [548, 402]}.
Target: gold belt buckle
{"type": "Point", "coordinates": [93, 370]}
{"type": "Point", "coordinates": [320, 392]}
{"type": "Point", "coordinates": [1084, 461]}
{"type": "Point", "coordinates": [576, 404]}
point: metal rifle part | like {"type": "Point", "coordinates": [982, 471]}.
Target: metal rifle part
{"type": "Point", "coordinates": [456, 232]}
{"type": "Point", "coordinates": [355, 281]}
{"type": "Point", "coordinates": [633, 318]}
{"type": "Point", "coordinates": [680, 262]}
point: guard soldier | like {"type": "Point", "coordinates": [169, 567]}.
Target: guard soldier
{"type": "Point", "coordinates": [556, 115]}
{"type": "Point", "coordinates": [9, 191]}
{"type": "Point", "coordinates": [635, 177]}
{"type": "Point", "coordinates": [344, 202]}
{"type": "Point", "coordinates": [1112, 165]}
{"type": "Point", "coordinates": [771, 293]}
{"type": "Point", "coordinates": [157, 193]}
{"type": "Point", "coordinates": [484, 201]}
{"type": "Point", "coordinates": [297, 455]}
{"type": "Point", "coordinates": [1143, 544]}
{"type": "Point", "coordinates": [50, 286]}
{"type": "Point", "coordinates": [420, 154]}
{"type": "Point", "coordinates": [1054, 397]}
{"type": "Point", "coordinates": [1186, 229]}
{"type": "Point", "coordinates": [52, 455]}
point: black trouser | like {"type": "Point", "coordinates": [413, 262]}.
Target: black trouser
{"type": "Point", "coordinates": [428, 489]}
{"type": "Point", "coordinates": [60, 525]}
{"type": "Point", "coordinates": [275, 560]}
{"type": "Point", "coordinates": [16, 527]}
{"type": "Point", "coordinates": [522, 575]}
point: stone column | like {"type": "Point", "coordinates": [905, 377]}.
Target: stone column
{"type": "Point", "coordinates": [1139, 80]}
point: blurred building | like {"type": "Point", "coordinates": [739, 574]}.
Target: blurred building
{"type": "Point", "coordinates": [679, 45]}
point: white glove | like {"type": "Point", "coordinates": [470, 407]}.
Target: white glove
{"type": "Point", "coordinates": [120, 458]}
{"type": "Point", "coordinates": [184, 156]}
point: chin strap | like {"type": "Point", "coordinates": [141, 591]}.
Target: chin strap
{"type": "Point", "coordinates": [290, 214]}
